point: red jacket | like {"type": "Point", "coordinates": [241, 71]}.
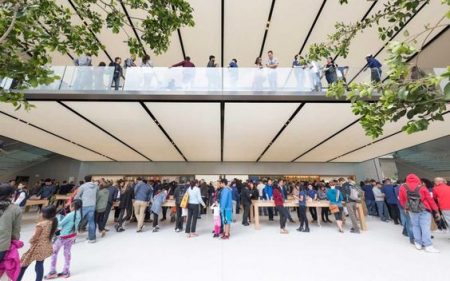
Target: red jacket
{"type": "Point", "coordinates": [441, 193]}
{"type": "Point", "coordinates": [277, 196]}
{"type": "Point", "coordinates": [413, 181]}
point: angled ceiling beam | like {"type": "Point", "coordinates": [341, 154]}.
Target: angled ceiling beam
{"type": "Point", "coordinates": [222, 32]}
{"type": "Point", "coordinates": [267, 28]}
{"type": "Point", "coordinates": [132, 25]}
{"type": "Point", "coordinates": [312, 26]}
{"type": "Point", "coordinates": [222, 129]}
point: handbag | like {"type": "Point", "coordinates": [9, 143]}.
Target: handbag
{"type": "Point", "coordinates": [335, 208]}
{"type": "Point", "coordinates": [184, 200]}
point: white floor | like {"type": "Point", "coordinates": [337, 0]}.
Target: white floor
{"type": "Point", "coordinates": [381, 253]}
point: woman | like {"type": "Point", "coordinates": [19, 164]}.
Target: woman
{"type": "Point", "coordinates": [301, 197]}
{"type": "Point", "coordinates": [278, 199]}
{"type": "Point", "coordinates": [195, 199]}
{"type": "Point", "coordinates": [158, 201]}
{"type": "Point", "coordinates": [335, 197]}
{"type": "Point", "coordinates": [10, 219]}
{"type": "Point", "coordinates": [125, 205]}
{"type": "Point", "coordinates": [322, 195]}
{"type": "Point", "coordinates": [41, 243]}
{"type": "Point", "coordinates": [146, 62]}
{"type": "Point", "coordinates": [330, 71]}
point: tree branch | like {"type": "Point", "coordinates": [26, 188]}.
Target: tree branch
{"type": "Point", "coordinates": [11, 25]}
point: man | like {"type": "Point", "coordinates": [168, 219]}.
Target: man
{"type": "Point", "coordinates": [84, 60]}
{"type": "Point", "coordinates": [379, 201]}
{"type": "Point", "coordinates": [375, 68]}
{"type": "Point", "coordinates": [404, 217]}
{"type": "Point", "coordinates": [226, 207]}
{"type": "Point", "coordinates": [285, 192]}
{"type": "Point", "coordinates": [350, 201]}
{"type": "Point", "coordinates": [142, 196]}
{"type": "Point", "coordinates": [130, 62]}
{"type": "Point", "coordinates": [87, 192]}
{"type": "Point", "coordinates": [391, 200]}
{"type": "Point", "coordinates": [441, 193]}
{"type": "Point", "coordinates": [417, 201]}
{"type": "Point", "coordinates": [180, 190]}
{"type": "Point", "coordinates": [369, 197]}
{"type": "Point", "coordinates": [260, 187]}
{"type": "Point", "coordinates": [233, 63]}
{"type": "Point", "coordinates": [112, 197]}
{"type": "Point", "coordinates": [65, 188]}
{"type": "Point", "coordinates": [268, 195]}
{"type": "Point", "coordinates": [185, 63]}
{"type": "Point", "coordinates": [212, 61]}
{"type": "Point", "coordinates": [272, 64]}
{"type": "Point", "coordinates": [118, 72]}
{"type": "Point", "coordinates": [47, 190]}
{"type": "Point", "coordinates": [246, 200]}
{"type": "Point", "coordinates": [204, 192]}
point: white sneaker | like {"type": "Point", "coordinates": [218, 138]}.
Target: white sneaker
{"type": "Point", "coordinates": [418, 246]}
{"type": "Point", "coordinates": [431, 249]}
{"type": "Point", "coordinates": [91, 241]}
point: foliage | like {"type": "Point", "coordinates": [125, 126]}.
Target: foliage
{"type": "Point", "coordinates": [31, 29]}
{"type": "Point", "coordinates": [407, 93]}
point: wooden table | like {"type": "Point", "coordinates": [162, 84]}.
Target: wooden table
{"type": "Point", "coordinates": [59, 197]}
{"type": "Point", "coordinates": [35, 202]}
{"type": "Point", "coordinates": [294, 204]}
{"type": "Point", "coordinates": [168, 203]}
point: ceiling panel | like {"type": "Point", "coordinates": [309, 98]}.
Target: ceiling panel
{"type": "Point", "coordinates": [397, 142]}
{"type": "Point", "coordinates": [20, 131]}
{"type": "Point", "coordinates": [281, 38]}
{"type": "Point", "coordinates": [59, 120]}
{"type": "Point", "coordinates": [314, 123]}
{"type": "Point", "coordinates": [194, 127]}
{"type": "Point", "coordinates": [250, 127]}
{"type": "Point", "coordinates": [207, 30]}
{"type": "Point", "coordinates": [245, 23]}
{"type": "Point", "coordinates": [131, 124]}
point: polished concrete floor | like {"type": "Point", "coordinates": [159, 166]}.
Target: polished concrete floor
{"type": "Point", "coordinates": [381, 253]}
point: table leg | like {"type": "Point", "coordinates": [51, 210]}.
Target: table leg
{"type": "Point", "coordinates": [252, 213]}
{"type": "Point", "coordinates": [319, 216]}
{"type": "Point", "coordinates": [256, 212]}
{"type": "Point", "coordinates": [362, 218]}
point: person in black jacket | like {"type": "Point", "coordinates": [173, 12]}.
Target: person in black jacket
{"type": "Point", "coordinates": [112, 197]}
{"type": "Point", "coordinates": [125, 205]}
{"type": "Point", "coordinates": [179, 192]}
{"type": "Point", "coordinates": [246, 200]}
{"type": "Point", "coordinates": [118, 72]}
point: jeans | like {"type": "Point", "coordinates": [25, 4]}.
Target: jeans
{"type": "Point", "coordinates": [445, 213]}
{"type": "Point", "coordinates": [382, 210]}
{"type": "Point", "coordinates": [116, 83]}
{"type": "Point", "coordinates": [179, 221]}
{"type": "Point", "coordinates": [246, 215]}
{"type": "Point", "coordinates": [371, 207]}
{"type": "Point", "coordinates": [324, 214]}
{"type": "Point", "coordinates": [406, 222]}
{"type": "Point", "coordinates": [352, 210]}
{"type": "Point", "coordinates": [192, 218]}
{"type": "Point", "coordinates": [283, 216]}
{"type": "Point", "coordinates": [302, 217]}
{"type": "Point", "coordinates": [65, 243]}
{"type": "Point", "coordinates": [421, 223]}
{"type": "Point", "coordinates": [89, 214]}
{"type": "Point", "coordinates": [155, 219]}
{"type": "Point", "coordinates": [39, 268]}
{"type": "Point", "coordinates": [313, 212]}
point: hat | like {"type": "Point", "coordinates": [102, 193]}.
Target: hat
{"type": "Point", "coordinates": [369, 56]}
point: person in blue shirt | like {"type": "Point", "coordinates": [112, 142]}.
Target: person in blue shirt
{"type": "Point", "coordinates": [142, 195]}
{"type": "Point", "coordinates": [335, 197]}
{"type": "Point", "coordinates": [236, 197]}
{"type": "Point", "coordinates": [369, 197]}
{"type": "Point", "coordinates": [391, 200]}
{"type": "Point", "coordinates": [304, 227]}
{"type": "Point", "coordinates": [226, 207]}
{"type": "Point", "coordinates": [375, 68]}
{"type": "Point", "coordinates": [233, 63]}
{"type": "Point", "coordinates": [312, 193]}
{"type": "Point", "coordinates": [268, 195]}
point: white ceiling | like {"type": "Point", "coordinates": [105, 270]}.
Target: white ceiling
{"type": "Point", "coordinates": [319, 132]}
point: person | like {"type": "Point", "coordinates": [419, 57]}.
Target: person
{"type": "Point", "coordinates": [48, 190]}
{"type": "Point", "coordinates": [335, 197]}
{"type": "Point", "coordinates": [311, 195]}
{"type": "Point", "coordinates": [441, 193]}
{"type": "Point", "coordinates": [68, 226]}
{"type": "Point", "coordinates": [296, 62]}
{"type": "Point", "coordinates": [65, 188]}
{"type": "Point", "coordinates": [272, 62]}
{"type": "Point", "coordinates": [375, 68]}
{"type": "Point", "coordinates": [246, 200]}
{"type": "Point", "coordinates": [100, 207]}
{"type": "Point", "coordinates": [146, 61]}
{"type": "Point", "coordinates": [417, 202]}
{"type": "Point", "coordinates": [88, 195]}
{"type": "Point", "coordinates": [268, 195]}
{"type": "Point", "coordinates": [158, 201]}
{"type": "Point", "coordinates": [258, 62]}
{"type": "Point", "coordinates": [204, 192]}
{"type": "Point", "coordinates": [226, 207]}
{"type": "Point", "coordinates": [330, 71]}
{"type": "Point", "coordinates": [10, 219]}
{"type": "Point", "coordinates": [236, 197]}
{"type": "Point", "coordinates": [212, 61]}
{"type": "Point", "coordinates": [142, 196]}
{"type": "Point", "coordinates": [369, 197]}
{"type": "Point", "coordinates": [113, 192]}
{"type": "Point", "coordinates": [130, 62]}
{"type": "Point", "coordinates": [349, 190]}
{"type": "Point", "coordinates": [304, 226]}
{"type": "Point", "coordinates": [322, 195]}
{"type": "Point", "coordinates": [217, 221]}
{"type": "Point", "coordinates": [194, 202]}
{"type": "Point", "coordinates": [260, 187]}
{"type": "Point", "coordinates": [125, 205]}
{"type": "Point", "coordinates": [391, 200]}
{"type": "Point", "coordinates": [379, 200]}
{"type": "Point", "coordinates": [233, 63]}
{"type": "Point", "coordinates": [278, 199]}
{"type": "Point", "coordinates": [404, 217]}
{"type": "Point", "coordinates": [316, 70]}
{"type": "Point", "coordinates": [41, 243]}
{"type": "Point", "coordinates": [180, 190]}
{"type": "Point", "coordinates": [185, 63]}
{"type": "Point", "coordinates": [21, 195]}
{"type": "Point", "coordinates": [118, 72]}
{"type": "Point", "coordinates": [83, 60]}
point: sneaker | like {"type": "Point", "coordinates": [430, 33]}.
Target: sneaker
{"type": "Point", "coordinates": [120, 229]}
{"type": "Point", "coordinates": [431, 249]}
{"type": "Point", "coordinates": [103, 233]}
{"type": "Point", "coordinates": [51, 275]}
{"type": "Point", "coordinates": [299, 229]}
{"type": "Point", "coordinates": [306, 230]}
{"type": "Point", "coordinates": [216, 235]}
{"type": "Point", "coordinates": [64, 274]}
{"type": "Point", "coordinates": [92, 241]}
{"type": "Point", "coordinates": [163, 219]}
{"type": "Point", "coordinates": [155, 229]}
{"type": "Point", "coordinates": [177, 230]}
{"type": "Point", "coordinates": [354, 231]}
{"type": "Point", "coordinates": [418, 246]}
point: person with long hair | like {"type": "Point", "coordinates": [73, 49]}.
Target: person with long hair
{"type": "Point", "coordinates": [279, 205]}
{"type": "Point", "coordinates": [335, 197]}
{"type": "Point", "coordinates": [10, 219]}
{"type": "Point", "coordinates": [195, 199]}
{"type": "Point", "coordinates": [41, 243]}
{"type": "Point", "coordinates": [125, 205]}
{"type": "Point", "coordinates": [68, 226]}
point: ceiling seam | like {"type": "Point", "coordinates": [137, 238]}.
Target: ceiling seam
{"type": "Point", "coordinates": [272, 6]}
{"type": "Point", "coordinates": [125, 10]}
{"type": "Point", "coordinates": [222, 33]}
{"type": "Point", "coordinates": [55, 135]}
{"type": "Point", "coordinates": [162, 129]}
{"type": "Point", "coordinates": [103, 130]}
{"type": "Point", "coordinates": [281, 130]}
{"type": "Point", "coordinates": [312, 26]}
{"type": "Point", "coordinates": [222, 129]}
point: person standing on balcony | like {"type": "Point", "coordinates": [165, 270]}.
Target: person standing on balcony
{"type": "Point", "coordinates": [146, 61]}
{"type": "Point", "coordinates": [84, 60]}
{"type": "Point", "coordinates": [316, 70]}
{"type": "Point", "coordinates": [375, 68]}
{"type": "Point", "coordinates": [130, 62]}
{"type": "Point", "coordinates": [330, 71]}
{"type": "Point", "coordinates": [272, 63]}
{"type": "Point", "coordinates": [118, 72]}
{"type": "Point", "coordinates": [185, 63]}
{"type": "Point", "coordinates": [212, 61]}
{"type": "Point", "coordinates": [233, 63]}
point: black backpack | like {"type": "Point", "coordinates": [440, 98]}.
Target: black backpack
{"type": "Point", "coordinates": [413, 202]}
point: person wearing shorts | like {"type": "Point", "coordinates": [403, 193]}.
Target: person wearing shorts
{"type": "Point", "coordinates": [335, 197]}
{"type": "Point", "coordinates": [226, 207]}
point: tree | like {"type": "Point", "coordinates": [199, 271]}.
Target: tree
{"type": "Point", "coordinates": [31, 29]}
{"type": "Point", "coordinates": [407, 92]}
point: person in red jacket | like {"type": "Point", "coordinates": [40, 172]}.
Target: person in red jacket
{"type": "Point", "coordinates": [415, 198]}
{"type": "Point", "coordinates": [278, 198]}
{"type": "Point", "coordinates": [441, 193]}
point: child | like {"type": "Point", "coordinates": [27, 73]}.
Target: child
{"type": "Point", "coordinates": [217, 220]}
{"type": "Point", "coordinates": [68, 227]}
{"type": "Point", "coordinates": [41, 243]}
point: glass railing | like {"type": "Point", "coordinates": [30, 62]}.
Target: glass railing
{"type": "Point", "coordinates": [198, 80]}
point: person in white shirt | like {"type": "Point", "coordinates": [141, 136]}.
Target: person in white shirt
{"type": "Point", "coordinates": [272, 64]}
{"type": "Point", "coordinates": [195, 199]}
{"type": "Point", "coordinates": [260, 188]}
{"type": "Point", "coordinates": [21, 195]}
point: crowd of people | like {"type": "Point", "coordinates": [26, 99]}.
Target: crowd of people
{"type": "Point", "coordinates": [330, 70]}
{"type": "Point", "coordinates": [412, 203]}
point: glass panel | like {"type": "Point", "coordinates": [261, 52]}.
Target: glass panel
{"type": "Point", "coordinates": [96, 78]}
{"type": "Point", "coordinates": [57, 70]}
